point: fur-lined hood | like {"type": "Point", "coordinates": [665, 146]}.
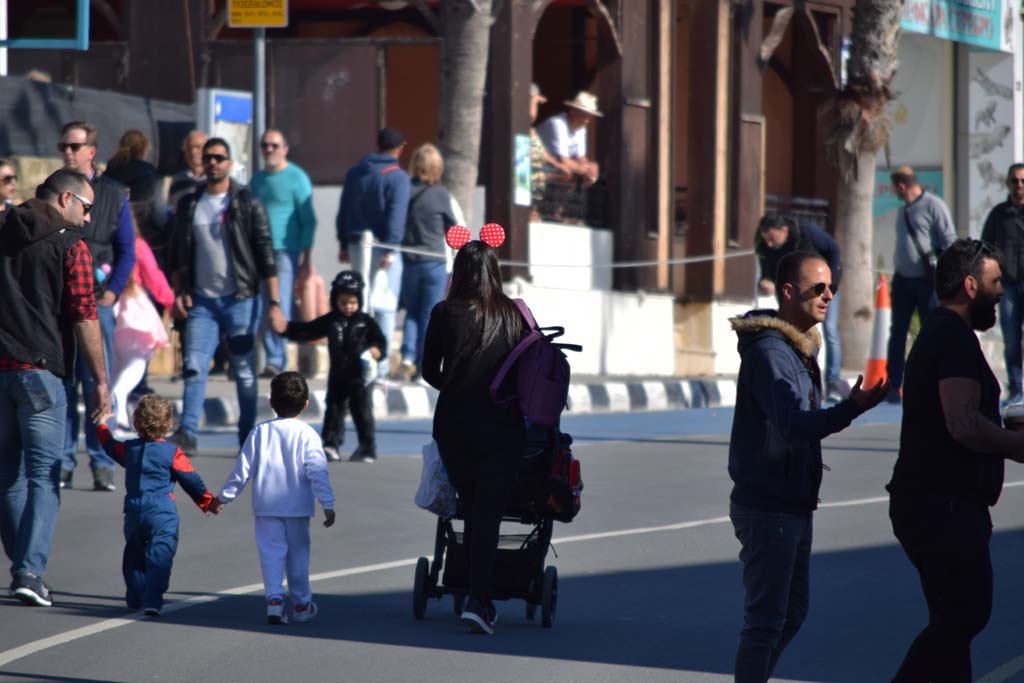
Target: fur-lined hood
{"type": "Point", "coordinates": [751, 325]}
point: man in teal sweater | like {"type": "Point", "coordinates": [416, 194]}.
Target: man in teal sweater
{"type": "Point", "coordinates": [287, 193]}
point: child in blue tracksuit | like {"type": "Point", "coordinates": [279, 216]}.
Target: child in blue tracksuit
{"type": "Point", "coordinates": [152, 467]}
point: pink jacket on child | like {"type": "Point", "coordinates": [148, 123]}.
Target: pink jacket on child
{"type": "Point", "coordinates": [149, 275]}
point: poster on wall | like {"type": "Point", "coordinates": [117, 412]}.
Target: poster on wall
{"type": "Point", "coordinates": [521, 172]}
{"type": "Point", "coordinates": [984, 23]}
{"type": "Point", "coordinates": [227, 114]}
{"type": "Point", "coordinates": [990, 120]}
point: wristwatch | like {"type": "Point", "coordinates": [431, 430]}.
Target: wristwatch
{"type": "Point", "coordinates": [275, 302]}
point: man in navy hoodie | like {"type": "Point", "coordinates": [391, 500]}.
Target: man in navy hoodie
{"type": "Point", "coordinates": [775, 456]}
{"type": "Point", "coordinates": [375, 198]}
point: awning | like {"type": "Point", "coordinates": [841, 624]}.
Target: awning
{"type": "Point", "coordinates": [983, 23]}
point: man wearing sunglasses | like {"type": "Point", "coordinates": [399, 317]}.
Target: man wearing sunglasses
{"type": "Point", "coordinates": [221, 251]}
{"type": "Point", "coordinates": [924, 228]}
{"type": "Point", "coordinates": [287, 193]}
{"type": "Point", "coordinates": [1004, 229]}
{"type": "Point", "coordinates": [781, 234]}
{"type": "Point", "coordinates": [775, 456]}
{"type": "Point", "coordinates": [949, 471]}
{"type": "Point", "coordinates": [46, 276]}
{"type": "Point", "coordinates": [110, 236]}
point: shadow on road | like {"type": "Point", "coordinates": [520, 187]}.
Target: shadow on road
{"type": "Point", "coordinates": [866, 607]}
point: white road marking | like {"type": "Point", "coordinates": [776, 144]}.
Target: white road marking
{"type": "Point", "coordinates": [1000, 675]}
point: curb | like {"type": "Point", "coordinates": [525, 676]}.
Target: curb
{"type": "Point", "coordinates": [392, 400]}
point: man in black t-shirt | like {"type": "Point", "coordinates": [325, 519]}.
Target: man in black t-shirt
{"type": "Point", "coordinates": [950, 465]}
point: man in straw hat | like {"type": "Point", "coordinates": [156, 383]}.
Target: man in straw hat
{"type": "Point", "coordinates": [565, 135]}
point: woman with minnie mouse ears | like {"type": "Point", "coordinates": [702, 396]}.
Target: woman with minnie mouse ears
{"type": "Point", "coordinates": [468, 338]}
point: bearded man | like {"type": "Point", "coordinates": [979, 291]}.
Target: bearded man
{"type": "Point", "coordinates": [950, 465]}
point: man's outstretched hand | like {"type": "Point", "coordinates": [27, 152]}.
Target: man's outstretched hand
{"type": "Point", "coordinates": [866, 399]}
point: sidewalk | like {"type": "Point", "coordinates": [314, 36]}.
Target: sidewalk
{"type": "Point", "coordinates": [414, 400]}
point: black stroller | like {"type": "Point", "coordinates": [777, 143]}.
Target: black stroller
{"type": "Point", "coordinates": [519, 571]}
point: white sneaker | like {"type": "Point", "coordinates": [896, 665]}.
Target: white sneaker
{"type": "Point", "coordinates": [332, 454]}
{"type": "Point", "coordinates": [304, 613]}
{"type": "Point", "coordinates": [275, 611]}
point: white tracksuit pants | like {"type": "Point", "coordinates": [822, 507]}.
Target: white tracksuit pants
{"type": "Point", "coordinates": [283, 543]}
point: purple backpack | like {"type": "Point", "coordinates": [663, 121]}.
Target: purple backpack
{"type": "Point", "coordinates": [542, 374]}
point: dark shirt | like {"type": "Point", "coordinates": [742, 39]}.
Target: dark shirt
{"type": "Point", "coordinates": [79, 299]}
{"type": "Point", "coordinates": [805, 236]}
{"type": "Point", "coordinates": [930, 460]}
{"type": "Point", "coordinates": [1004, 228]}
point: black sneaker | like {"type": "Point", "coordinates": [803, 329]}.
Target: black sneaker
{"type": "Point", "coordinates": [184, 441]}
{"type": "Point", "coordinates": [362, 455]}
{"type": "Point", "coordinates": [270, 372]}
{"type": "Point", "coordinates": [151, 611]}
{"type": "Point", "coordinates": [478, 618]}
{"type": "Point", "coordinates": [65, 478]}
{"type": "Point", "coordinates": [103, 479]}
{"type": "Point", "coordinates": [31, 590]}
{"type": "Point", "coordinates": [331, 453]}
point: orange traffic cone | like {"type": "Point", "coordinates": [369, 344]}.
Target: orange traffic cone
{"type": "Point", "coordinates": [876, 369]}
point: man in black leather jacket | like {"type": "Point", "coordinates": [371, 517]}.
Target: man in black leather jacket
{"type": "Point", "coordinates": [221, 250]}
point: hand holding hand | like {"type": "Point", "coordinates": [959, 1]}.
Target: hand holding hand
{"type": "Point", "coordinates": [108, 298]}
{"type": "Point", "coordinates": [276, 320]}
{"type": "Point", "coordinates": [386, 259]}
{"type": "Point", "coordinates": [216, 505]}
{"type": "Point", "coordinates": [868, 399]}
{"type": "Point", "coordinates": [182, 303]}
{"type": "Point", "coordinates": [328, 518]}
{"type": "Point", "coordinates": [104, 407]}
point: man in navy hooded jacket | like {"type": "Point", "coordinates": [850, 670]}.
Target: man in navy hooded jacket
{"type": "Point", "coordinates": [375, 198]}
{"type": "Point", "coordinates": [775, 456]}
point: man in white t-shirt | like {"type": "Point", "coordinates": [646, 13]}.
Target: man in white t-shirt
{"type": "Point", "coordinates": [565, 136]}
{"type": "Point", "coordinates": [221, 252]}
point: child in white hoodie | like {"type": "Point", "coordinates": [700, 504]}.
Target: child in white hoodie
{"type": "Point", "coordinates": [285, 459]}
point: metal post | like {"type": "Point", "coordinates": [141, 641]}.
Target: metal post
{"type": "Point", "coordinates": [3, 36]}
{"type": "Point", "coordinates": [259, 96]}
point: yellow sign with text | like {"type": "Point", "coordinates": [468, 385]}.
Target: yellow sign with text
{"type": "Point", "coordinates": [257, 13]}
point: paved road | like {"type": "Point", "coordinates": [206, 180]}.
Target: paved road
{"type": "Point", "coordinates": [649, 581]}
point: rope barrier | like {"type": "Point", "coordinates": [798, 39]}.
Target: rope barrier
{"type": "Point", "coordinates": [614, 265]}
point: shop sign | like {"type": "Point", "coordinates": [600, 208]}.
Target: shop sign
{"type": "Point", "coordinates": [983, 23]}
{"type": "Point", "coordinates": [885, 199]}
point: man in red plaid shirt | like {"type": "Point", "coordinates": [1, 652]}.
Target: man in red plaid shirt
{"type": "Point", "coordinates": [46, 275]}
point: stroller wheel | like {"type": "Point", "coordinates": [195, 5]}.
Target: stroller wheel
{"type": "Point", "coordinates": [531, 611]}
{"type": "Point", "coordinates": [420, 587]}
{"type": "Point", "coordinates": [458, 600]}
{"type": "Point", "coordinates": [549, 599]}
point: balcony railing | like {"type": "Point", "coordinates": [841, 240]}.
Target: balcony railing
{"type": "Point", "coordinates": [570, 202]}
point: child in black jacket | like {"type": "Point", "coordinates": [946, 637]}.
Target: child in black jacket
{"type": "Point", "coordinates": [351, 335]}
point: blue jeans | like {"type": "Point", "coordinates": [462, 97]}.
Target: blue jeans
{"type": "Point", "coordinates": [386, 319]}
{"type": "Point", "coordinates": [98, 458]}
{"type": "Point", "coordinates": [287, 263]}
{"type": "Point", "coordinates": [33, 410]}
{"type": "Point", "coordinates": [1010, 321]}
{"type": "Point", "coordinates": [908, 293]}
{"type": "Point", "coordinates": [776, 555]}
{"type": "Point", "coordinates": [422, 288]}
{"type": "Point", "coordinates": [208, 319]}
{"type": "Point", "coordinates": [833, 349]}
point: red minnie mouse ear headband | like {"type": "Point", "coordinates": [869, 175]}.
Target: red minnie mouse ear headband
{"type": "Point", "coordinates": [492, 234]}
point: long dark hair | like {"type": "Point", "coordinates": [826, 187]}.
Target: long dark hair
{"type": "Point", "coordinates": [476, 284]}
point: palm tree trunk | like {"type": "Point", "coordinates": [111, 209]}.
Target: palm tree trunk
{"type": "Point", "coordinates": [464, 59]}
{"type": "Point", "coordinates": [857, 126]}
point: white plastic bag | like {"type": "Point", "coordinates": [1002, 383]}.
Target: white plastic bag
{"type": "Point", "coordinates": [369, 366]}
{"type": "Point", "coordinates": [436, 493]}
{"type": "Point", "coordinates": [382, 299]}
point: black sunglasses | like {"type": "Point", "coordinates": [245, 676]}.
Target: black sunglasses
{"type": "Point", "coordinates": [73, 146]}
{"type": "Point", "coordinates": [269, 145]}
{"type": "Point", "coordinates": [819, 288]}
{"type": "Point", "coordinates": [8, 179]}
{"type": "Point", "coordinates": [1015, 181]}
{"type": "Point", "coordinates": [982, 249]}
{"type": "Point", "coordinates": [219, 158]}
